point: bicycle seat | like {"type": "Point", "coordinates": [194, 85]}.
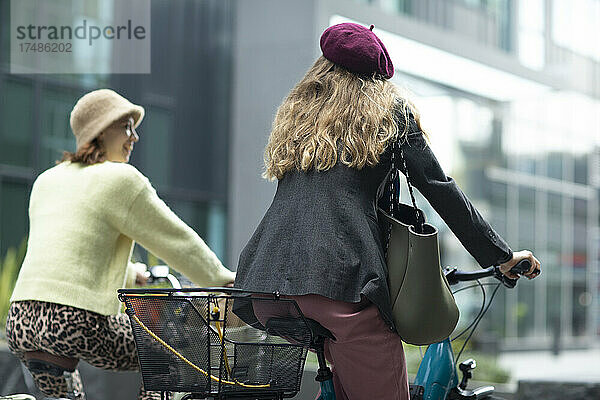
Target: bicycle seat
{"type": "Point", "coordinates": [40, 361]}
{"type": "Point", "coordinates": [295, 327]}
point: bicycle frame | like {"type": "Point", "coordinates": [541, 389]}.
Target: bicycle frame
{"type": "Point", "coordinates": [327, 391]}
{"type": "Point", "coordinates": [437, 372]}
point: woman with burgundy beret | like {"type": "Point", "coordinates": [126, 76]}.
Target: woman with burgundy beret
{"type": "Point", "coordinates": [320, 242]}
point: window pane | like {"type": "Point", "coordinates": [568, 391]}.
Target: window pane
{"type": "Point", "coordinates": [580, 237]}
{"type": "Point", "coordinates": [14, 201]}
{"type": "Point", "coordinates": [56, 137]}
{"type": "Point", "coordinates": [217, 227]}
{"type": "Point", "coordinates": [554, 205]}
{"type": "Point", "coordinates": [525, 308]}
{"type": "Point", "coordinates": [16, 127]}
{"type": "Point", "coordinates": [531, 50]}
{"type": "Point", "coordinates": [208, 220]}
{"type": "Point", "coordinates": [525, 164]}
{"type": "Point", "coordinates": [393, 5]}
{"type": "Point", "coordinates": [526, 218]}
{"type": "Point", "coordinates": [581, 300]}
{"type": "Point", "coordinates": [498, 314]}
{"type": "Point", "coordinates": [4, 34]}
{"type": "Point", "coordinates": [554, 232]}
{"type": "Point", "coordinates": [555, 165]}
{"type": "Point", "coordinates": [581, 169]}
{"type": "Point", "coordinates": [531, 15]}
{"type": "Point", "coordinates": [155, 145]}
{"type": "Point", "coordinates": [192, 213]}
{"type": "Point", "coordinates": [498, 206]}
{"type": "Point", "coordinates": [553, 310]}
{"type": "Point", "coordinates": [574, 22]}
{"type": "Point", "coordinates": [526, 198]}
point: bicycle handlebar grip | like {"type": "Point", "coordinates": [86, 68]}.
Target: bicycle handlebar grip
{"type": "Point", "coordinates": [521, 267]}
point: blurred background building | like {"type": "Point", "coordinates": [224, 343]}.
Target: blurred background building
{"type": "Point", "coordinates": [509, 92]}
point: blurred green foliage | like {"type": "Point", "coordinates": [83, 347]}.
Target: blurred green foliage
{"type": "Point", "coordinates": [488, 369]}
{"type": "Point", "coordinates": [10, 266]}
{"type": "Point", "coordinates": [153, 260]}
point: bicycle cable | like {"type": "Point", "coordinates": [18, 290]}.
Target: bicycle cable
{"type": "Point", "coordinates": [478, 314]}
{"type": "Point", "coordinates": [472, 286]}
{"type": "Point", "coordinates": [483, 305]}
{"type": "Point", "coordinates": [477, 323]}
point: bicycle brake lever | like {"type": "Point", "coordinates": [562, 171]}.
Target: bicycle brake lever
{"type": "Point", "coordinates": [506, 281]}
{"type": "Point", "coordinates": [450, 273]}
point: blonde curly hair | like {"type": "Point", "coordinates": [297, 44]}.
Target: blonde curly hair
{"type": "Point", "coordinates": [332, 106]}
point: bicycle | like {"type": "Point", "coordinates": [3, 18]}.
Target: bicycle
{"type": "Point", "coordinates": [437, 376]}
{"type": "Point", "coordinates": [263, 357]}
{"type": "Point", "coordinates": [55, 364]}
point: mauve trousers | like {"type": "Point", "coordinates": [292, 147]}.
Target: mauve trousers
{"type": "Point", "coordinates": [367, 358]}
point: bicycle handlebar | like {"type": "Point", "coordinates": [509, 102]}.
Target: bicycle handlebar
{"type": "Point", "coordinates": [159, 273]}
{"type": "Point", "coordinates": [454, 276]}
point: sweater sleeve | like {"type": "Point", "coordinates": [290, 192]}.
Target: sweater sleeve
{"type": "Point", "coordinates": [152, 224]}
{"type": "Point", "coordinates": [449, 201]}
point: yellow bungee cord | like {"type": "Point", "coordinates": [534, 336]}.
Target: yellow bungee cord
{"type": "Point", "coordinates": [191, 364]}
{"type": "Point", "coordinates": [218, 324]}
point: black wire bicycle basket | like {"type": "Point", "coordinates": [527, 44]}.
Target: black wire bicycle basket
{"type": "Point", "coordinates": [218, 343]}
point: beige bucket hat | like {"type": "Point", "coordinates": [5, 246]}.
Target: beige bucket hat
{"type": "Point", "coordinates": [97, 110]}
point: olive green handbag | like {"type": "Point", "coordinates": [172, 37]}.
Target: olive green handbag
{"type": "Point", "coordinates": [423, 305]}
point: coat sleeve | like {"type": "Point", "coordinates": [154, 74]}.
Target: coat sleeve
{"type": "Point", "coordinates": [449, 201]}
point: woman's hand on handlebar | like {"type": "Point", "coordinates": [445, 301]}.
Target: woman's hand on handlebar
{"type": "Point", "coordinates": [534, 271]}
{"type": "Point", "coordinates": [228, 284]}
{"type": "Point", "coordinates": [141, 278]}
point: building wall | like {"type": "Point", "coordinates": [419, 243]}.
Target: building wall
{"type": "Point", "coordinates": [274, 46]}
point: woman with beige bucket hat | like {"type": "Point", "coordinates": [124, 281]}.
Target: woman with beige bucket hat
{"type": "Point", "coordinates": [85, 214]}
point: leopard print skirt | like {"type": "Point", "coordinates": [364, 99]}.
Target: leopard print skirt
{"type": "Point", "coordinates": [104, 341]}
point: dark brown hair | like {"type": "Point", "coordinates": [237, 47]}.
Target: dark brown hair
{"type": "Point", "coordinates": [90, 153]}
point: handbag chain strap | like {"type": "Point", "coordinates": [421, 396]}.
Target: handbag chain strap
{"type": "Point", "coordinates": [420, 218]}
{"type": "Point", "coordinates": [394, 191]}
{"type": "Point", "coordinates": [393, 204]}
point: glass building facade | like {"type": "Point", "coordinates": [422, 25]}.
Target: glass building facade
{"type": "Point", "coordinates": [183, 147]}
{"type": "Point", "coordinates": [534, 175]}
{"type": "Point", "coordinates": [530, 163]}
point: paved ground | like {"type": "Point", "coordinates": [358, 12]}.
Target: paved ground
{"type": "Point", "coordinates": [568, 366]}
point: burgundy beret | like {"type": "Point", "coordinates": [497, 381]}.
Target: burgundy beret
{"type": "Point", "coordinates": [356, 48]}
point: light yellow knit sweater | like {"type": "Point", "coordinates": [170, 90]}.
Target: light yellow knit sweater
{"type": "Point", "coordinates": [83, 224]}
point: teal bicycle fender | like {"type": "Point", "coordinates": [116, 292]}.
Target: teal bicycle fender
{"type": "Point", "coordinates": [437, 373]}
{"type": "Point", "coordinates": [327, 392]}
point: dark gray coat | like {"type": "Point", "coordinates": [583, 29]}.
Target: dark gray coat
{"type": "Point", "coordinates": [321, 235]}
